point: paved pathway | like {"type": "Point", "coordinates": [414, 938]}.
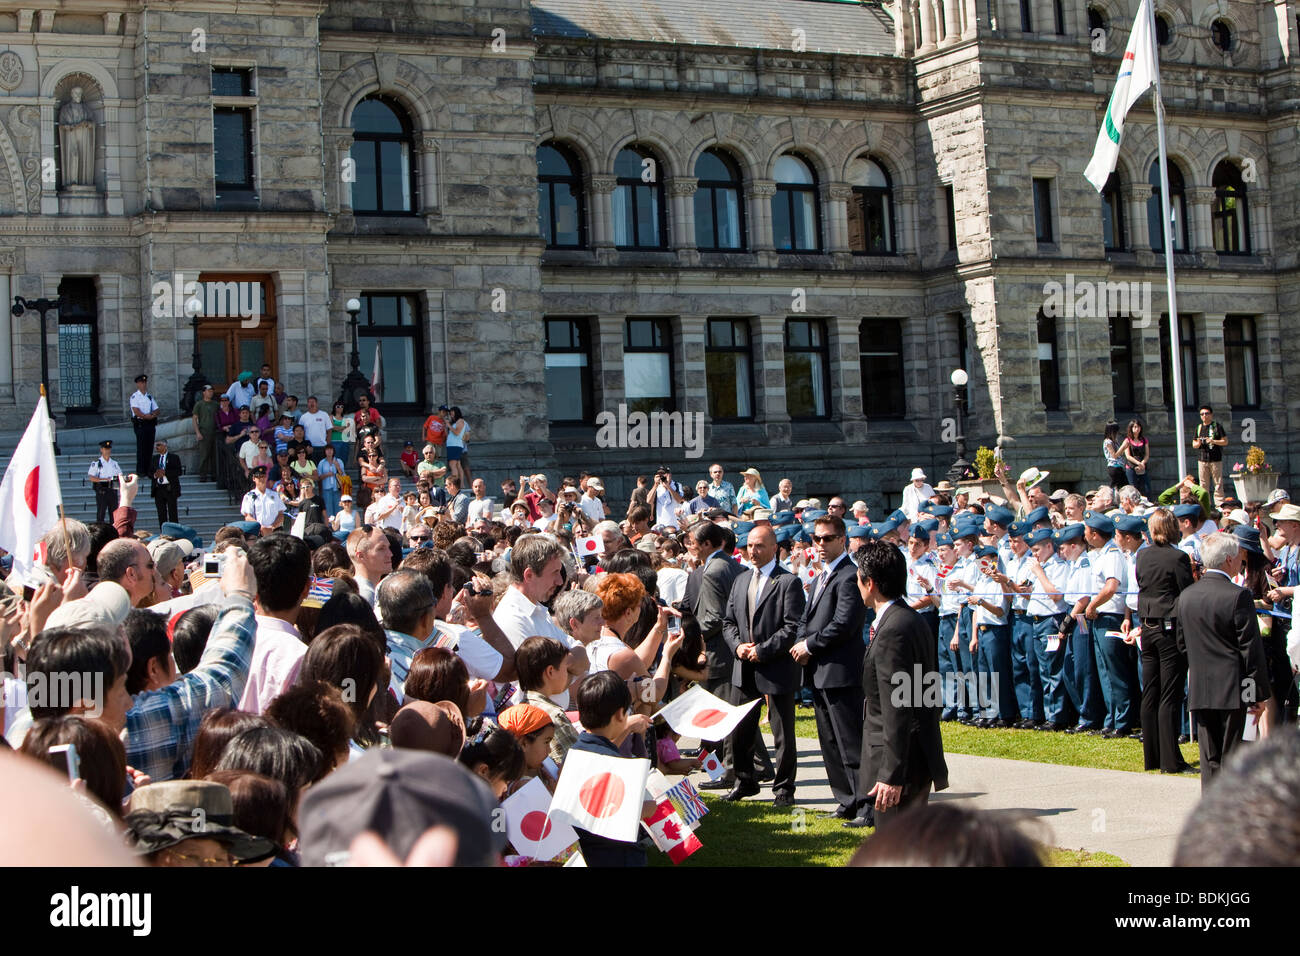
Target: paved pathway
{"type": "Point", "coordinates": [1135, 816]}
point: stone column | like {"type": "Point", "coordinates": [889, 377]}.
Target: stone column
{"type": "Point", "coordinates": [904, 33]}
{"type": "Point", "coordinates": [429, 200]}
{"type": "Point", "coordinates": [951, 20]}
{"type": "Point", "coordinates": [1210, 354]}
{"type": "Point", "coordinates": [1148, 377]}
{"type": "Point", "coordinates": [769, 376]}
{"type": "Point", "coordinates": [601, 189]}
{"type": "Point", "coordinates": [906, 239]}
{"type": "Point", "coordinates": [681, 215]}
{"type": "Point", "coordinates": [970, 19]}
{"type": "Point", "coordinates": [1135, 196]}
{"type": "Point", "coordinates": [1044, 18]}
{"type": "Point", "coordinates": [1272, 376]}
{"type": "Point", "coordinates": [929, 35]}
{"type": "Point", "coordinates": [835, 211]}
{"type": "Point", "coordinates": [1200, 234]}
{"type": "Point", "coordinates": [847, 386]}
{"type": "Point", "coordinates": [693, 386]}
{"type": "Point", "coordinates": [6, 331]}
{"type": "Point", "coordinates": [343, 150]}
{"type": "Point", "coordinates": [759, 197]}
{"type": "Point", "coordinates": [607, 377]}
{"type": "Point", "coordinates": [1261, 223]}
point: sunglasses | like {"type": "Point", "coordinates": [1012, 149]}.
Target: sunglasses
{"type": "Point", "coordinates": [419, 537]}
{"type": "Point", "coordinates": [820, 538]}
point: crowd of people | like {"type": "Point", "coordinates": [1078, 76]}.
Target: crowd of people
{"type": "Point", "coordinates": [420, 624]}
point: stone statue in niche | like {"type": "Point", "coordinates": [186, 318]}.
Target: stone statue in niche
{"type": "Point", "coordinates": [77, 141]}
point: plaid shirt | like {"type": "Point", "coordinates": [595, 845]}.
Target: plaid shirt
{"type": "Point", "coordinates": [162, 724]}
{"type": "Point", "coordinates": [566, 735]}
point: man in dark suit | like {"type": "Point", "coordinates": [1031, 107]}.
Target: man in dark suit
{"type": "Point", "coordinates": [707, 589]}
{"type": "Point", "coordinates": [761, 623]}
{"type": "Point", "coordinates": [166, 471]}
{"type": "Point", "coordinates": [902, 751]}
{"type": "Point", "coordinates": [1227, 674]}
{"type": "Point", "coordinates": [830, 645]}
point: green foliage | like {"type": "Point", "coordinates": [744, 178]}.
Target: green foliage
{"type": "Point", "coordinates": [985, 463]}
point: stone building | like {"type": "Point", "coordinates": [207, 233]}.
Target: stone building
{"type": "Point", "coordinates": [794, 218]}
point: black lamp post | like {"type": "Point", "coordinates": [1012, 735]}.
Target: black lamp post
{"type": "Point", "coordinates": [194, 385]}
{"type": "Point", "coordinates": [355, 384]}
{"type": "Point", "coordinates": [959, 467]}
{"type": "Point", "coordinates": [41, 305]}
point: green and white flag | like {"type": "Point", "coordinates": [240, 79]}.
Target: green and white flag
{"type": "Point", "coordinates": [1137, 72]}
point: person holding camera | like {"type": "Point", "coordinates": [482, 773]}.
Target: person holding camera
{"type": "Point", "coordinates": [538, 491]}
{"type": "Point", "coordinates": [665, 496]}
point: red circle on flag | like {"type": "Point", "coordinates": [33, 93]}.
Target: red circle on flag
{"type": "Point", "coordinates": [601, 795]}
{"type": "Point", "coordinates": [32, 490]}
{"type": "Point", "coordinates": [590, 544]}
{"type": "Point", "coordinates": [707, 718]}
{"type": "Point", "coordinates": [535, 826]}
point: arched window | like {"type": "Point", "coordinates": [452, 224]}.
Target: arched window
{"type": "Point", "coordinates": [871, 209]}
{"type": "Point", "coordinates": [383, 148]}
{"type": "Point", "coordinates": [719, 213]}
{"type": "Point", "coordinates": [1112, 215]}
{"type": "Point", "coordinates": [559, 198]}
{"type": "Point", "coordinates": [639, 201]}
{"type": "Point", "coordinates": [794, 207]}
{"type": "Point", "coordinates": [1177, 209]}
{"type": "Point", "coordinates": [1231, 214]}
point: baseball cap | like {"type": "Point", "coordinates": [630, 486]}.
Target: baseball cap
{"type": "Point", "coordinates": [398, 794]}
{"type": "Point", "coordinates": [107, 606]}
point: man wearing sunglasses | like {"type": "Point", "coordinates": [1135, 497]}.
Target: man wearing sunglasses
{"type": "Point", "coordinates": [830, 647]}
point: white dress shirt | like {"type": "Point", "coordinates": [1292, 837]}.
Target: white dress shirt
{"type": "Point", "coordinates": [264, 507]}
{"type": "Point", "coordinates": [277, 656]}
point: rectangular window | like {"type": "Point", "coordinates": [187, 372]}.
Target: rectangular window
{"type": "Point", "coordinates": [232, 137]}
{"type": "Point", "coordinates": [1043, 210]}
{"type": "Point", "coordinates": [78, 344]}
{"type": "Point", "coordinates": [807, 369]}
{"type": "Point", "coordinates": [392, 359]}
{"type": "Point", "coordinates": [1058, 10]}
{"type": "Point", "coordinates": [648, 365]}
{"type": "Point", "coordinates": [1026, 19]}
{"type": "Point", "coordinates": [728, 370]}
{"type": "Point", "coordinates": [1187, 350]}
{"type": "Point", "coordinates": [950, 204]}
{"type": "Point", "coordinates": [568, 370]}
{"type": "Point", "coordinates": [1241, 350]}
{"type": "Point", "coordinates": [230, 81]}
{"type": "Point", "coordinates": [1049, 371]}
{"type": "Point", "coordinates": [1121, 362]}
{"type": "Point", "coordinates": [880, 346]}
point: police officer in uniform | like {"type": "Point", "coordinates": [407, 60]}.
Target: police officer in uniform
{"type": "Point", "coordinates": [103, 474]}
{"type": "Point", "coordinates": [144, 418]}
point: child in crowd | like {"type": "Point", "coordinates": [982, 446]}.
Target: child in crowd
{"type": "Point", "coordinates": [493, 754]}
{"type": "Point", "coordinates": [540, 662]}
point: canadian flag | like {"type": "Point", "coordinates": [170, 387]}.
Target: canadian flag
{"type": "Point", "coordinates": [711, 765]}
{"type": "Point", "coordinates": [29, 495]}
{"type": "Point", "coordinates": [533, 832]}
{"type": "Point", "coordinates": [670, 833]}
{"type": "Point", "coordinates": [697, 713]}
{"type": "Point", "coordinates": [601, 794]}
{"type": "Point", "coordinates": [586, 546]}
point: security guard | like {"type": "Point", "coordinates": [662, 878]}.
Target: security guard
{"type": "Point", "coordinates": [103, 474]}
{"type": "Point", "coordinates": [144, 418]}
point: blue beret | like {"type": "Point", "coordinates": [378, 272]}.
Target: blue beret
{"type": "Point", "coordinates": [966, 529]}
{"type": "Point", "coordinates": [926, 507]}
{"type": "Point", "coordinates": [171, 529]}
{"type": "Point", "coordinates": [740, 527]}
{"type": "Point", "coordinates": [859, 531]}
{"type": "Point", "coordinates": [742, 540]}
{"type": "Point", "coordinates": [1130, 524]}
{"type": "Point", "coordinates": [812, 514]}
{"type": "Point", "coordinates": [1071, 532]}
{"type": "Point", "coordinates": [1188, 511]}
{"type": "Point", "coordinates": [1000, 515]}
{"type": "Point", "coordinates": [941, 511]}
{"type": "Point", "coordinates": [1042, 534]}
{"type": "Point", "coordinates": [786, 533]}
{"type": "Point", "coordinates": [944, 539]}
{"type": "Point", "coordinates": [986, 551]}
{"type": "Point", "coordinates": [248, 527]}
{"type": "Point", "coordinates": [898, 516]}
{"type": "Point", "coordinates": [1099, 521]}
{"type": "Point", "coordinates": [782, 518]}
{"type": "Point", "coordinates": [919, 530]}
{"type": "Point", "coordinates": [881, 528]}
{"type": "Point", "coordinates": [1040, 513]}
{"type": "Point", "coordinates": [1018, 529]}
{"type": "Point", "coordinates": [929, 524]}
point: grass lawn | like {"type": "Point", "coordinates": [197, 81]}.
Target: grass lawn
{"type": "Point", "coordinates": [1072, 750]}
{"type": "Point", "coordinates": [757, 834]}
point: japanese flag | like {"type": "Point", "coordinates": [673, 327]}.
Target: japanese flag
{"type": "Point", "coordinates": [697, 713]}
{"type": "Point", "coordinates": [531, 830]}
{"type": "Point", "coordinates": [711, 765]}
{"type": "Point", "coordinates": [670, 834]}
{"type": "Point", "coordinates": [601, 794]}
{"type": "Point", "coordinates": [29, 495]}
{"type": "Point", "coordinates": [589, 546]}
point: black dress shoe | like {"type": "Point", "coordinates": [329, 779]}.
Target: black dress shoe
{"type": "Point", "coordinates": [967, 721]}
{"type": "Point", "coordinates": [1107, 733]}
{"type": "Point", "coordinates": [783, 800]}
{"type": "Point", "coordinates": [740, 792]}
{"type": "Point", "coordinates": [723, 784]}
{"type": "Point", "coordinates": [858, 823]}
{"type": "Point", "coordinates": [1024, 724]}
{"type": "Point", "coordinates": [767, 776]}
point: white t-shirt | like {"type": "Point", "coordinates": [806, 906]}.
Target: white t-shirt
{"type": "Point", "coordinates": [347, 520]}
{"type": "Point", "coordinates": [672, 584]}
{"type": "Point", "coordinates": [666, 508]}
{"type": "Point", "coordinates": [481, 658]}
{"type": "Point", "coordinates": [316, 426]}
{"type": "Point", "coordinates": [264, 507]}
{"type": "Point", "coordinates": [593, 508]}
{"type": "Point", "coordinates": [394, 519]}
{"type": "Point", "coordinates": [248, 452]}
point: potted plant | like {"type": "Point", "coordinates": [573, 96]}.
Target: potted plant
{"type": "Point", "coordinates": [985, 473]}
{"type": "Point", "coordinates": [1254, 478]}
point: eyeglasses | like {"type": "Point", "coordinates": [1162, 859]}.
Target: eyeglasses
{"type": "Point", "coordinates": [834, 507]}
{"type": "Point", "coordinates": [418, 537]}
{"type": "Point", "coordinates": [820, 538]}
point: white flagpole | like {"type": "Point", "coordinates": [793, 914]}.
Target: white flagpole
{"type": "Point", "coordinates": [1175, 352]}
